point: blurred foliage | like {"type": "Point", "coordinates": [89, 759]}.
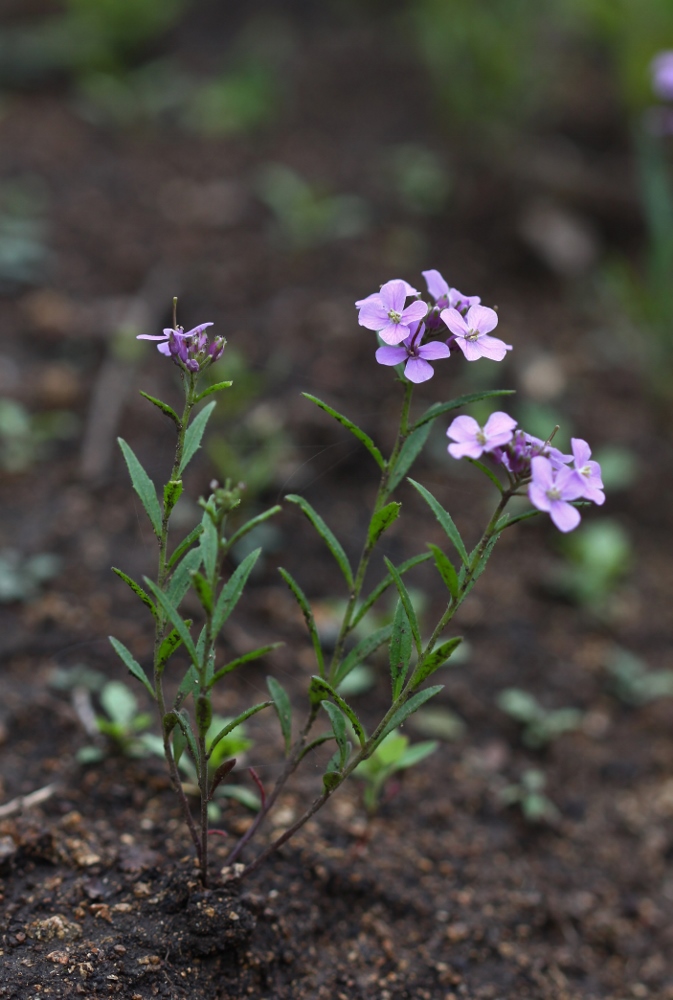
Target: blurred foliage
{"type": "Point", "coordinates": [21, 577]}
{"type": "Point", "coordinates": [23, 250]}
{"type": "Point", "coordinates": [23, 436]}
{"type": "Point", "coordinates": [529, 795]}
{"type": "Point", "coordinates": [540, 726]}
{"type": "Point", "coordinates": [598, 557]}
{"type": "Point", "coordinates": [393, 754]}
{"type": "Point", "coordinates": [633, 682]}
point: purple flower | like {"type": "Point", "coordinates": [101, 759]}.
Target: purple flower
{"type": "Point", "coordinates": [178, 334]}
{"type": "Point", "coordinates": [473, 440]}
{"type": "Point", "coordinates": [416, 355]}
{"type": "Point", "coordinates": [661, 69]}
{"type": "Point", "coordinates": [517, 455]}
{"type": "Point", "coordinates": [552, 489]}
{"type": "Point", "coordinates": [446, 296]}
{"type": "Point", "coordinates": [386, 313]}
{"type": "Point", "coordinates": [189, 350]}
{"type": "Point", "coordinates": [471, 333]}
{"type": "Point", "coordinates": [587, 474]}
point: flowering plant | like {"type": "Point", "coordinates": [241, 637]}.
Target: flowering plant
{"type": "Point", "coordinates": [452, 324]}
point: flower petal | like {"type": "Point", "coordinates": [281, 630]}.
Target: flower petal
{"type": "Point", "coordinates": [565, 517]}
{"type": "Point", "coordinates": [394, 333]}
{"type": "Point", "coordinates": [500, 423]}
{"type": "Point", "coordinates": [437, 287]}
{"type": "Point", "coordinates": [418, 370]}
{"type": "Point", "coordinates": [455, 322]}
{"type": "Point", "coordinates": [373, 316]}
{"type": "Point", "coordinates": [542, 473]}
{"type": "Point", "coordinates": [391, 355]}
{"type": "Point", "coordinates": [434, 350]}
{"type": "Point", "coordinates": [538, 497]}
{"type": "Point", "coordinates": [414, 312]}
{"type": "Point", "coordinates": [492, 348]}
{"type": "Point", "coordinates": [581, 452]}
{"type": "Point", "coordinates": [481, 318]}
{"type": "Point", "coordinates": [393, 295]}
{"type": "Point", "coordinates": [463, 428]}
{"type": "Point", "coordinates": [466, 449]}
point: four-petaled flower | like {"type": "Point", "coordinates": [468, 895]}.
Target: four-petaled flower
{"type": "Point", "coordinates": [587, 474]}
{"type": "Point", "coordinates": [471, 333]}
{"type": "Point", "coordinates": [416, 354]}
{"type": "Point", "coordinates": [177, 335]}
{"type": "Point", "coordinates": [385, 313]}
{"type": "Point", "coordinates": [472, 440]}
{"type": "Point", "coordinates": [552, 489]}
{"type": "Point", "coordinates": [192, 349]}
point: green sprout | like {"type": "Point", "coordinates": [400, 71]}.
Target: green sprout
{"type": "Point", "coordinates": [540, 725]}
{"type": "Point", "coordinates": [529, 795]}
{"type": "Point", "coordinates": [393, 754]}
{"type": "Point", "coordinates": [633, 683]}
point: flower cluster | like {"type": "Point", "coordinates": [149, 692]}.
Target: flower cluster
{"type": "Point", "coordinates": [404, 328]}
{"type": "Point", "coordinates": [554, 479]}
{"type": "Point", "coordinates": [191, 350]}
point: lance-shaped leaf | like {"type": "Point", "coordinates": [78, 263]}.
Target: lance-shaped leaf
{"type": "Point", "coordinates": [175, 619]}
{"type": "Point", "coordinates": [194, 435]}
{"type": "Point", "coordinates": [182, 577]}
{"type": "Point", "coordinates": [320, 689]}
{"type": "Point", "coordinates": [131, 663]}
{"type": "Point", "coordinates": [339, 729]}
{"type": "Point", "coordinates": [406, 601]}
{"type": "Point", "coordinates": [172, 493]}
{"type": "Point", "coordinates": [220, 774]}
{"type": "Point", "coordinates": [302, 601]}
{"type": "Point", "coordinates": [254, 654]}
{"type": "Point", "coordinates": [251, 525]}
{"type": "Point", "coordinates": [231, 592]}
{"type": "Point", "coordinates": [446, 570]}
{"type": "Point", "coordinates": [230, 726]}
{"type": "Point", "coordinates": [433, 661]}
{"type": "Point", "coordinates": [184, 545]}
{"type": "Point", "coordinates": [410, 451]}
{"type": "Point", "coordinates": [211, 389]}
{"type": "Point", "coordinates": [164, 407]}
{"type": "Point", "coordinates": [481, 565]}
{"type": "Point", "coordinates": [386, 582]}
{"type": "Point", "coordinates": [409, 707]}
{"type": "Point", "coordinates": [179, 742]}
{"type": "Point", "coordinates": [444, 519]}
{"type": "Point", "coordinates": [327, 536]}
{"type": "Point", "coordinates": [283, 708]}
{"type": "Point", "coordinates": [400, 649]}
{"type": "Point", "coordinates": [381, 521]}
{"type": "Point", "coordinates": [203, 591]}
{"type": "Point", "coordinates": [353, 428]}
{"type": "Point", "coordinates": [209, 545]}
{"type": "Point", "coordinates": [359, 653]}
{"type": "Point", "coordinates": [185, 727]}
{"type": "Point", "coordinates": [143, 486]}
{"type": "Point", "coordinates": [190, 684]}
{"type": "Point", "coordinates": [168, 647]}
{"type": "Point", "coordinates": [137, 590]}
{"type": "Point", "coordinates": [437, 409]}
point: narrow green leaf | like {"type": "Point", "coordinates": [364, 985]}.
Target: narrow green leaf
{"type": "Point", "coordinates": [143, 486]}
{"type": "Point", "coordinates": [172, 493]}
{"type": "Point", "coordinates": [327, 536]}
{"type": "Point", "coordinates": [194, 435]}
{"type": "Point", "coordinates": [446, 570]}
{"type": "Point", "coordinates": [189, 685]}
{"type": "Point", "coordinates": [302, 601]}
{"type": "Point", "coordinates": [220, 774]}
{"type": "Point", "coordinates": [339, 729]}
{"type": "Point", "coordinates": [231, 592]}
{"type": "Point", "coordinates": [444, 519]}
{"type": "Point", "coordinates": [251, 525]}
{"type": "Point", "coordinates": [209, 546]}
{"type": "Point", "coordinates": [359, 653]}
{"type": "Point", "coordinates": [174, 617]}
{"type": "Point", "coordinates": [283, 708]}
{"type": "Point", "coordinates": [384, 584]}
{"type": "Point", "coordinates": [182, 577]}
{"type": "Point", "coordinates": [353, 428]}
{"type": "Point", "coordinates": [137, 589]}
{"type": "Point", "coordinates": [409, 708]}
{"type": "Point", "coordinates": [320, 689]}
{"type": "Point", "coordinates": [132, 664]}
{"type": "Point", "coordinates": [434, 661]}
{"type": "Point", "coordinates": [406, 601]}
{"type": "Point", "coordinates": [381, 521]}
{"type": "Point", "coordinates": [400, 649]}
{"type": "Point", "coordinates": [203, 591]}
{"type": "Point", "coordinates": [437, 409]}
{"type": "Point", "coordinates": [184, 545]}
{"type": "Point", "coordinates": [488, 473]}
{"type": "Point", "coordinates": [230, 726]}
{"type": "Point", "coordinates": [509, 521]}
{"type": "Point", "coordinates": [164, 407]}
{"type": "Point", "coordinates": [318, 741]}
{"type": "Point", "coordinates": [213, 388]}
{"type": "Point", "coordinates": [481, 565]}
{"type": "Point", "coordinates": [168, 647]}
{"type": "Point", "coordinates": [254, 654]}
{"type": "Point", "coordinates": [179, 742]}
{"type": "Point", "coordinates": [410, 451]}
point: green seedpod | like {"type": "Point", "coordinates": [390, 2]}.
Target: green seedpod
{"type": "Point", "coordinates": [172, 493]}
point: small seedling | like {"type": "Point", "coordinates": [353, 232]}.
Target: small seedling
{"type": "Point", "coordinates": [540, 726]}
{"type": "Point", "coordinates": [597, 560]}
{"type": "Point", "coordinates": [393, 754]}
{"type": "Point", "coordinates": [529, 795]}
{"type": "Point", "coordinates": [633, 682]}
{"type": "Point", "coordinates": [122, 724]}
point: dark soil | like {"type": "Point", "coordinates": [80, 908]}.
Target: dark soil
{"type": "Point", "coordinates": [445, 893]}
